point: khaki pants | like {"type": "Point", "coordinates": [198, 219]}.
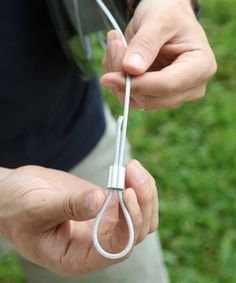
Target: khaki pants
{"type": "Point", "coordinates": [144, 265]}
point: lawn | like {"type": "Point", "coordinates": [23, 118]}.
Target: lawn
{"type": "Point", "coordinates": [191, 153]}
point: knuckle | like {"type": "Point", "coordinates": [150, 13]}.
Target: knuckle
{"type": "Point", "coordinates": [172, 87]}
{"type": "Point", "coordinates": [146, 43]}
{"type": "Point", "coordinates": [149, 196]}
{"type": "Point", "coordinates": [69, 206]}
{"type": "Point", "coordinates": [146, 199]}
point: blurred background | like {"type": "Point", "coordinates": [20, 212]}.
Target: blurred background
{"type": "Point", "coordinates": [191, 152]}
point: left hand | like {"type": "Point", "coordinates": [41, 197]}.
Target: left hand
{"type": "Point", "coordinates": [48, 216]}
{"type": "Point", "coordinates": [168, 56]}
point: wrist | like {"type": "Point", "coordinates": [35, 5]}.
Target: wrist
{"type": "Point", "coordinates": [132, 4]}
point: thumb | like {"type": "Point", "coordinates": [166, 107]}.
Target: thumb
{"type": "Point", "coordinates": [79, 205]}
{"type": "Point", "coordinates": [142, 50]}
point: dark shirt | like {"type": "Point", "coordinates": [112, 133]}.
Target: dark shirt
{"type": "Point", "coordinates": [48, 115]}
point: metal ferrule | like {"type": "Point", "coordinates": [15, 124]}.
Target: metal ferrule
{"type": "Point", "coordinates": [116, 177]}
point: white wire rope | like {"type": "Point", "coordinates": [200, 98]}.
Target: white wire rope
{"type": "Point", "coordinates": [116, 180]}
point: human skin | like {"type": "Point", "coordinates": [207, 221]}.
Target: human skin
{"type": "Point", "coordinates": [168, 56]}
{"type": "Point", "coordinates": [48, 214]}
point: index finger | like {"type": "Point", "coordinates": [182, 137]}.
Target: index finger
{"type": "Point", "coordinates": [187, 72]}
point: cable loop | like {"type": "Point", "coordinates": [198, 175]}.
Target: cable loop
{"type": "Point", "coordinates": [116, 178]}
{"type": "Point", "coordinates": [98, 219]}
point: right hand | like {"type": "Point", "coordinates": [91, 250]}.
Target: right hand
{"type": "Point", "coordinates": [168, 56]}
{"type": "Point", "coordinates": [48, 214]}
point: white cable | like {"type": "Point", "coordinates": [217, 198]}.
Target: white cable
{"type": "Point", "coordinates": [116, 180]}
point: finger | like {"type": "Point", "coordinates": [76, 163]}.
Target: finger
{"type": "Point", "coordinates": [142, 49]}
{"type": "Point", "coordinates": [134, 209]}
{"type": "Point", "coordinates": [114, 34]}
{"type": "Point", "coordinates": [68, 198]}
{"type": "Point", "coordinates": [107, 59]}
{"type": "Point", "coordinates": [144, 186]}
{"type": "Point", "coordinates": [187, 71]}
{"type": "Point", "coordinates": [82, 206]}
{"type": "Point", "coordinates": [152, 103]}
{"type": "Point", "coordinates": [120, 235]}
{"type": "Point", "coordinates": [52, 209]}
{"type": "Point", "coordinates": [57, 196]}
{"type": "Point", "coordinates": [111, 35]}
{"type": "Point", "coordinates": [117, 53]}
{"type": "Point", "coordinates": [115, 81]}
{"type": "Point", "coordinates": [154, 217]}
{"type": "Point", "coordinates": [105, 63]}
{"type": "Point", "coordinates": [114, 52]}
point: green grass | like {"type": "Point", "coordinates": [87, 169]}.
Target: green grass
{"type": "Point", "coordinates": [10, 271]}
{"type": "Point", "coordinates": [191, 153]}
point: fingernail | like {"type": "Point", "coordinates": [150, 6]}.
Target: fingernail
{"type": "Point", "coordinates": [135, 60]}
{"type": "Point", "coordinates": [139, 174]}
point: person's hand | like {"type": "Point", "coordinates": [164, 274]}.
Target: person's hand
{"type": "Point", "coordinates": [168, 55]}
{"type": "Point", "coordinates": [48, 215]}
